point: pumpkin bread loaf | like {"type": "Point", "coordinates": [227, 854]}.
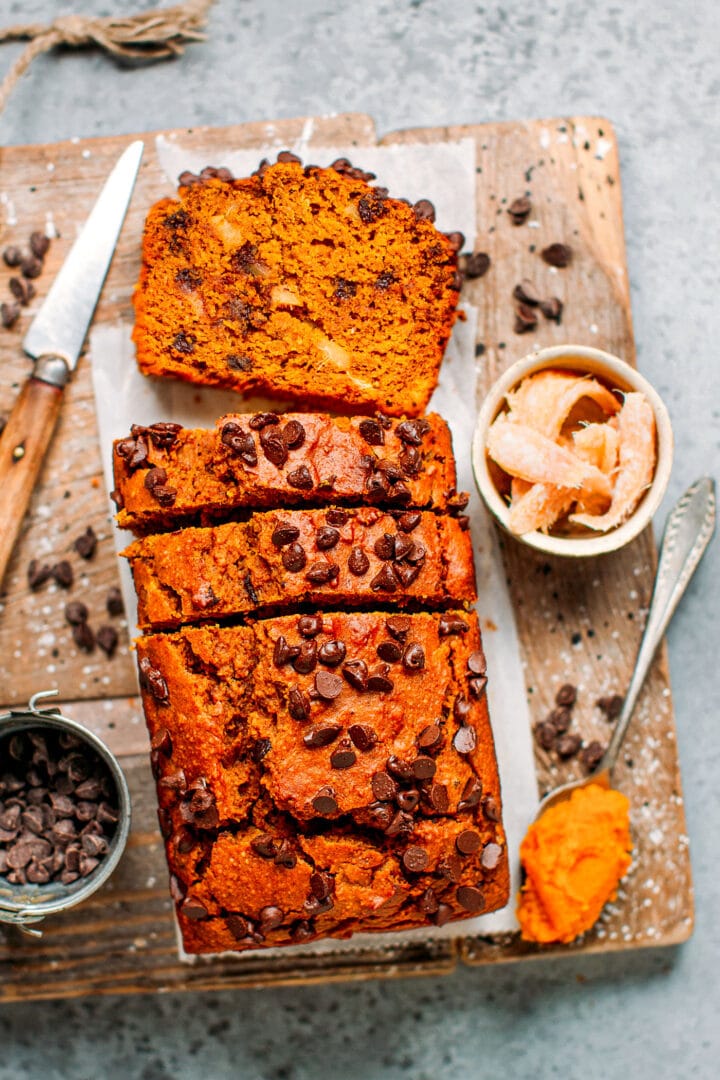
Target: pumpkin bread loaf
{"type": "Point", "coordinates": [166, 476]}
{"type": "Point", "coordinates": [324, 774]}
{"type": "Point", "coordinates": [336, 557]}
{"type": "Point", "coordinates": [303, 283]}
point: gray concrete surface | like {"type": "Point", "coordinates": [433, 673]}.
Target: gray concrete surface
{"type": "Point", "coordinates": [650, 65]}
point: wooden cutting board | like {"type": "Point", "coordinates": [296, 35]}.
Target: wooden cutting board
{"type": "Point", "coordinates": [579, 621]}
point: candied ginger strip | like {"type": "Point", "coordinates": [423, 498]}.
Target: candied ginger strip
{"type": "Point", "coordinates": [544, 401]}
{"type": "Point", "coordinates": [598, 444]}
{"type": "Point", "coordinates": [523, 452]}
{"type": "Point", "coordinates": [636, 456]}
{"type": "Point", "coordinates": [539, 508]}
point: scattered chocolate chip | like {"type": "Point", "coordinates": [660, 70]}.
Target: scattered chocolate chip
{"type": "Point", "coordinates": [306, 658]}
{"type": "Point", "coordinates": [611, 706]}
{"type": "Point", "coordinates": [86, 543]}
{"type": "Point", "coordinates": [552, 309]}
{"type": "Point", "coordinates": [263, 420]}
{"type": "Point", "coordinates": [356, 673]}
{"type": "Point", "coordinates": [331, 653]}
{"type": "Point", "coordinates": [384, 546]}
{"type": "Point", "coordinates": [321, 735]}
{"type": "Point", "coordinates": [9, 315]}
{"type": "Point", "coordinates": [300, 478]}
{"type": "Point", "coordinates": [525, 319]}
{"type": "Point", "coordinates": [400, 825]}
{"type": "Point", "coordinates": [519, 210]}
{"type": "Point", "coordinates": [344, 757]}
{"type": "Point", "coordinates": [12, 255]}
{"type": "Point", "coordinates": [490, 806]}
{"type": "Point", "coordinates": [429, 737]}
{"type": "Point", "coordinates": [412, 432]}
{"type": "Point", "coordinates": [83, 637]}
{"type": "Point", "coordinates": [526, 293]}
{"type": "Point", "coordinates": [62, 572]}
{"type": "Point", "coordinates": [324, 802]}
{"type": "Point", "coordinates": [372, 432]}
{"type": "Point", "coordinates": [398, 626]}
{"type": "Point", "coordinates": [152, 679]}
{"type": "Point", "coordinates": [193, 909]}
{"type": "Point", "coordinates": [408, 521]}
{"type": "Point", "coordinates": [322, 573]}
{"type": "Point", "coordinates": [22, 290]}
{"type": "Point", "coordinates": [415, 859]}
{"type": "Point", "coordinates": [327, 685]}
{"type": "Point", "coordinates": [467, 842]}
{"type": "Point", "coordinates": [558, 255]}
{"type": "Point", "coordinates": [566, 695]}
{"type": "Point", "coordinates": [413, 658]}
{"type": "Point", "coordinates": [241, 443]}
{"type": "Point", "coordinates": [326, 537]}
{"type": "Point", "coordinates": [39, 245]}
{"type": "Point", "coordinates": [491, 856]}
{"type": "Point", "coordinates": [107, 639]}
{"type": "Point", "coordinates": [379, 683]}
{"type": "Point", "coordinates": [470, 898]}
{"type": "Point", "coordinates": [592, 754]}
{"type": "Point", "coordinates": [478, 686]}
{"type": "Point", "coordinates": [471, 794]}
{"type": "Point", "coordinates": [476, 265]}
{"type": "Point", "coordinates": [384, 580]}
{"type": "Point", "coordinates": [465, 740]}
{"type": "Point", "coordinates": [270, 918]}
{"type": "Point", "coordinates": [76, 612]}
{"type": "Point", "coordinates": [567, 745]}
{"type": "Point", "coordinates": [284, 533]}
{"type": "Point", "coordinates": [424, 210]}
{"type": "Point", "coordinates": [560, 719]}
{"type": "Point", "coordinates": [545, 735]}
{"type": "Point", "coordinates": [309, 626]}
{"type": "Point", "coordinates": [363, 736]}
{"type": "Point", "coordinates": [114, 602]}
{"type": "Point", "coordinates": [358, 562]}
{"type": "Point", "coordinates": [294, 558]}
{"type": "Point", "coordinates": [451, 624]}
{"type": "Point", "coordinates": [30, 266]}
{"type": "Point", "coordinates": [423, 768]}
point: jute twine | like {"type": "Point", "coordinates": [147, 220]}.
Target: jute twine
{"type": "Point", "coordinates": [160, 34]}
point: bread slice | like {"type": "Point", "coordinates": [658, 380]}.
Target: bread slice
{"type": "Point", "coordinates": [302, 283]}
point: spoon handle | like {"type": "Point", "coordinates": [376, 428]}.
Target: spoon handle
{"type": "Point", "coordinates": [687, 533]}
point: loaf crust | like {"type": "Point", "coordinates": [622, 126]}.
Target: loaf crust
{"type": "Point", "coordinates": [303, 283]}
{"type": "Point", "coordinates": [166, 476]}
{"type": "Point", "coordinates": [335, 557]}
{"type": "Point", "coordinates": [301, 798]}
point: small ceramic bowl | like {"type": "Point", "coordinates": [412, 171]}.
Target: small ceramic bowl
{"type": "Point", "coordinates": [25, 905]}
{"type": "Point", "coordinates": [615, 373]}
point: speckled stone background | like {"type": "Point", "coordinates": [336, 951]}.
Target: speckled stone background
{"type": "Point", "coordinates": [652, 67]}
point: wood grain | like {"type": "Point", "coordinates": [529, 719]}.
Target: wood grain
{"type": "Point", "coordinates": [578, 622]}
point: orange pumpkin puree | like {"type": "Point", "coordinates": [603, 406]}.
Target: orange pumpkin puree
{"type": "Point", "coordinates": [574, 855]}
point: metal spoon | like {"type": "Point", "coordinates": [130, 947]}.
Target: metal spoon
{"type": "Point", "coordinates": [687, 533]}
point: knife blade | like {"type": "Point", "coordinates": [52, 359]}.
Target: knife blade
{"type": "Point", "coordinates": [55, 340]}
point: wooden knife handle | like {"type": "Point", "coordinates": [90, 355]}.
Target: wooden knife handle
{"type": "Point", "coordinates": [23, 445]}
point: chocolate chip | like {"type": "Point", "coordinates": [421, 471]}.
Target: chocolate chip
{"type": "Point", "coordinates": [610, 705]}
{"type": "Point", "coordinates": [526, 293]}
{"type": "Point", "coordinates": [552, 309]}
{"type": "Point", "coordinates": [270, 918]}
{"type": "Point", "coordinates": [300, 478]}
{"type": "Point", "coordinates": [415, 859]}
{"type": "Point", "coordinates": [263, 420]}
{"type": "Point", "coordinates": [321, 735]}
{"type": "Point", "coordinates": [408, 800]}
{"type": "Point", "coordinates": [324, 802]}
{"type": "Point", "coordinates": [306, 658]}
{"type": "Point", "coordinates": [264, 846]}
{"type": "Point", "coordinates": [12, 255]}
{"type": "Point", "coordinates": [356, 673]}
{"type": "Point", "coordinates": [239, 442]}
{"type": "Point", "coordinates": [331, 653]}
{"type": "Point", "coordinates": [384, 546]}
{"type": "Point", "coordinates": [462, 709]}
{"type": "Point", "coordinates": [558, 255]}
{"type": "Point", "coordinates": [412, 432]}
{"type": "Point", "coordinates": [327, 685]}
{"type": "Point", "coordinates": [86, 543]}
{"type": "Point", "coordinates": [363, 736]}
{"type": "Point", "coordinates": [429, 737]}
{"type": "Point", "coordinates": [451, 624]}
{"type": "Point", "coordinates": [284, 533]}
{"type": "Point", "coordinates": [428, 902]}
{"type": "Point", "coordinates": [372, 432]}
{"type": "Point", "coordinates": [567, 745]}
{"type": "Point", "coordinates": [465, 740]}
{"type": "Point", "coordinates": [238, 363]}
{"type": "Point", "coordinates": [467, 842]}
{"type": "Point", "coordinates": [284, 653]}
{"type": "Point", "coordinates": [9, 315]}
{"type": "Point", "coordinates": [566, 695]}
{"type": "Point", "coordinates": [326, 537]}
{"type": "Point", "coordinates": [411, 461]}
{"type": "Point", "coordinates": [400, 825]}
{"type": "Point", "coordinates": [337, 517]}
{"type": "Point", "coordinates": [409, 521]}
{"type": "Point", "coordinates": [545, 735]}
{"type": "Point", "coordinates": [519, 210]}
{"type": "Point", "coordinates": [476, 265]}
{"type": "Point", "coordinates": [322, 573]}
{"type": "Point", "coordinates": [23, 291]}
{"type": "Point", "coordinates": [310, 625]}
{"type": "Point", "coordinates": [294, 558]}
{"type": "Point", "coordinates": [152, 679]}
{"type": "Point", "coordinates": [560, 719]}
{"type": "Point", "coordinates": [344, 757]}
{"type": "Point", "coordinates": [383, 786]}
{"type": "Point", "coordinates": [114, 602]}
{"type": "Point", "coordinates": [491, 856]}
{"type": "Point", "coordinates": [400, 768]}
{"type": "Point", "coordinates": [379, 683]}
{"type": "Point", "coordinates": [193, 909]}
{"type": "Point", "coordinates": [470, 898]}
{"type": "Point", "coordinates": [477, 663]}
{"type": "Point", "coordinates": [358, 562]}
{"type": "Point", "coordinates": [107, 640]}
{"type": "Point", "coordinates": [76, 612]}
{"type": "Point", "coordinates": [456, 240]}
{"type": "Point", "coordinates": [62, 572]}
{"type": "Point", "coordinates": [423, 768]}
{"type": "Point", "coordinates": [39, 244]}
{"type": "Point", "coordinates": [592, 754]}
{"type": "Point", "coordinates": [471, 794]}
{"type": "Point", "coordinates": [413, 657]}
{"type": "Point", "coordinates": [83, 637]}
{"type": "Point", "coordinates": [384, 580]}
{"type": "Point", "coordinates": [525, 319]}
{"type": "Point", "coordinates": [398, 626]}
{"type": "Point", "coordinates": [30, 266]}
{"type": "Point", "coordinates": [389, 651]}
{"type": "Point", "coordinates": [478, 686]}
{"type": "Point", "coordinates": [370, 208]}
{"type": "Point", "coordinates": [424, 210]}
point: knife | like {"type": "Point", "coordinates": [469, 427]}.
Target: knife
{"type": "Point", "coordinates": [54, 341]}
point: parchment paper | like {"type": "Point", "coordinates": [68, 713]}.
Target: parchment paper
{"type": "Point", "coordinates": [445, 173]}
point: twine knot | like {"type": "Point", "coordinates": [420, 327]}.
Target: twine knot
{"type": "Point", "coordinates": [73, 30]}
